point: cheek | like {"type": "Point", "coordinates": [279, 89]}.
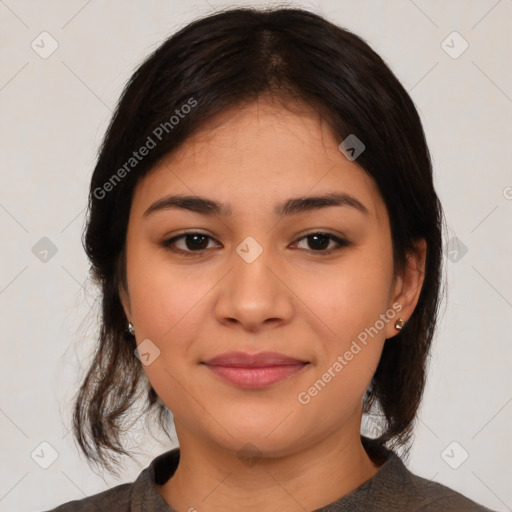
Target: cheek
{"type": "Point", "coordinates": [169, 303]}
{"type": "Point", "coordinates": [164, 297]}
{"type": "Point", "coordinates": [348, 297]}
{"type": "Point", "coordinates": [350, 353]}
{"type": "Point", "coordinates": [353, 301]}
{"type": "Point", "coordinates": [370, 281]}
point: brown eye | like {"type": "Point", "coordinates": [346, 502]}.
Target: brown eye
{"type": "Point", "coordinates": [319, 242]}
{"type": "Point", "coordinates": [188, 242]}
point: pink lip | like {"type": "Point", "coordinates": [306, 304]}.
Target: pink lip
{"type": "Point", "coordinates": [254, 370]}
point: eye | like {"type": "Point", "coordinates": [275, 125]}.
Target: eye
{"type": "Point", "coordinates": [199, 242]}
{"type": "Point", "coordinates": [190, 242]}
{"type": "Point", "coordinates": [320, 241]}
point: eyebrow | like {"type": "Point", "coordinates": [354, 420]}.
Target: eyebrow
{"type": "Point", "coordinates": [292, 206]}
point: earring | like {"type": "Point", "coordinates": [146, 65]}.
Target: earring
{"type": "Point", "coordinates": [399, 324]}
{"type": "Point", "coordinates": [131, 330]}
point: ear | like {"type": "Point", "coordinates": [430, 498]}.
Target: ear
{"type": "Point", "coordinates": [125, 301]}
{"type": "Point", "coordinates": [408, 285]}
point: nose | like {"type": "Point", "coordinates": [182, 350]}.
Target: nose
{"type": "Point", "coordinates": [253, 296]}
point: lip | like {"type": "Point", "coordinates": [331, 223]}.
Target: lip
{"type": "Point", "coordinates": [254, 370]}
{"type": "Point", "coordinates": [244, 359]}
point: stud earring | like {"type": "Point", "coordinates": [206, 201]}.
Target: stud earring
{"type": "Point", "coordinates": [131, 330]}
{"type": "Point", "coordinates": [399, 324]}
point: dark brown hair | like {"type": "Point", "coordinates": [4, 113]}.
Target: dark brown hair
{"type": "Point", "coordinates": [215, 63]}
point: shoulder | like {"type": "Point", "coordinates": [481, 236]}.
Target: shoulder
{"type": "Point", "coordinates": [116, 499]}
{"type": "Point", "coordinates": [421, 495]}
{"type": "Point", "coordinates": [395, 487]}
{"type": "Point", "coordinates": [138, 496]}
{"type": "Point", "coordinates": [434, 497]}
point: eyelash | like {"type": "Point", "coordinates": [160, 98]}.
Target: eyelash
{"type": "Point", "coordinates": [169, 244]}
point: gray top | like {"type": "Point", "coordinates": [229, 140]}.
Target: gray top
{"type": "Point", "coordinates": [392, 488]}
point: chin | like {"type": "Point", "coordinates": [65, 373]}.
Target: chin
{"type": "Point", "coordinates": [261, 440]}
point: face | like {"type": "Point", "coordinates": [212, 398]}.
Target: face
{"type": "Point", "coordinates": [311, 280]}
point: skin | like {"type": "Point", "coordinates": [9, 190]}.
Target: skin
{"type": "Point", "coordinates": [291, 299]}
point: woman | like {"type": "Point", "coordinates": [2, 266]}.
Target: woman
{"type": "Point", "coordinates": [267, 238]}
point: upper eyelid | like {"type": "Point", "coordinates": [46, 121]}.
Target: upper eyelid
{"type": "Point", "coordinates": [339, 239]}
{"type": "Point", "coordinates": [317, 232]}
{"type": "Point", "coordinates": [189, 233]}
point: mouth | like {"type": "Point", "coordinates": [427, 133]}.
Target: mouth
{"type": "Point", "coordinates": [254, 371]}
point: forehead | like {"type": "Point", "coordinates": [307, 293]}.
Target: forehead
{"type": "Point", "coordinates": [257, 155]}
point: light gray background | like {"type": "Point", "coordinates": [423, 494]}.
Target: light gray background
{"type": "Point", "coordinates": [54, 112]}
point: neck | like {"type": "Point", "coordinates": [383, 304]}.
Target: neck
{"type": "Point", "coordinates": [210, 478]}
